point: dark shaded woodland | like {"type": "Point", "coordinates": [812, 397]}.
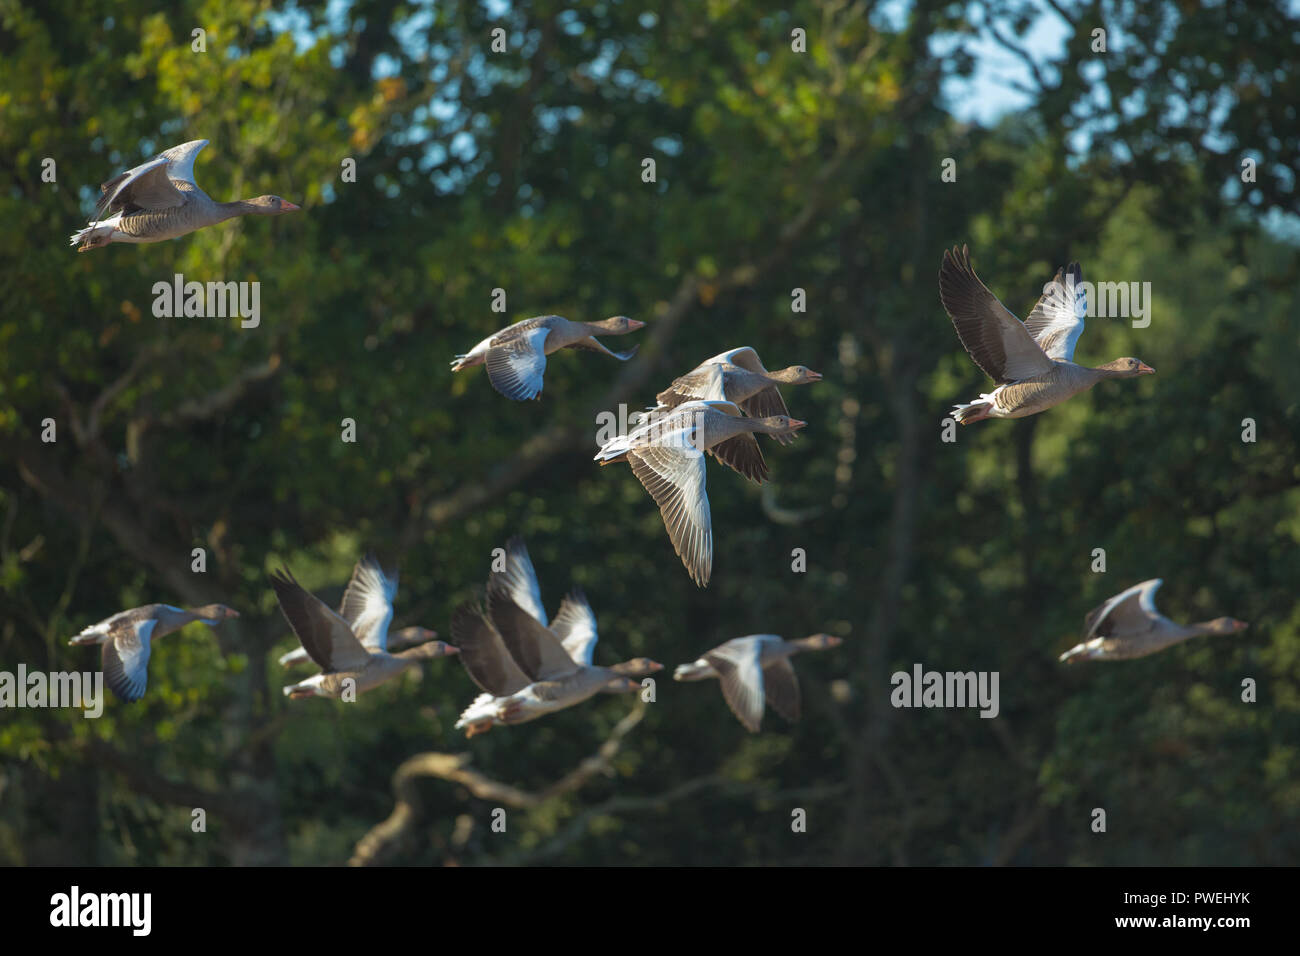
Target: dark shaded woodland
{"type": "Point", "coordinates": [776, 170]}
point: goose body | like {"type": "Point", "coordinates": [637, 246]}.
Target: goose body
{"type": "Point", "coordinates": [367, 606]}
{"type": "Point", "coordinates": [515, 357]}
{"type": "Point", "coordinates": [330, 641]}
{"type": "Point", "coordinates": [159, 200]}
{"type": "Point", "coordinates": [1031, 361]}
{"type": "Point", "coordinates": [1128, 626]}
{"type": "Point", "coordinates": [667, 456]}
{"type": "Point", "coordinates": [755, 671]}
{"type": "Point", "coordinates": [126, 641]}
{"type": "Point", "coordinates": [738, 376]}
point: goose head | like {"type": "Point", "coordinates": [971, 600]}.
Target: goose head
{"type": "Point", "coordinates": [1224, 625]}
{"type": "Point", "coordinates": [270, 206]}
{"type": "Point", "coordinates": [618, 325]}
{"type": "Point", "coordinates": [213, 613]}
{"type": "Point", "coordinates": [797, 375]}
{"type": "Point", "coordinates": [1127, 367]}
{"type": "Point", "coordinates": [821, 642]}
{"type": "Point", "coordinates": [637, 667]}
{"type": "Point", "coordinates": [778, 425]}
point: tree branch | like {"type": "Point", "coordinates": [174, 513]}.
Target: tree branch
{"type": "Point", "coordinates": [385, 838]}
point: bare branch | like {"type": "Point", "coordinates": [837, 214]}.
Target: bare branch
{"type": "Point", "coordinates": [1028, 59]}
{"type": "Point", "coordinates": [385, 838]}
{"type": "Point", "coordinates": [214, 403]}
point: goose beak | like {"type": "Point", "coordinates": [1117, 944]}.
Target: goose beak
{"type": "Point", "coordinates": [287, 206]}
{"type": "Point", "coordinates": [635, 324]}
{"type": "Point", "coordinates": [814, 376]}
{"type": "Point", "coordinates": [231, 612]}
{"type": "Point", "coordinates": [1239, 626]}
{"type": "Point", "coordinates": [655, 666]}
{"type": "Point", "coordinates": [449, 651]}
{"type": "Point", "coordinates": [795, 423]}
{"type": "Point", "coordinates": [1145, 369]}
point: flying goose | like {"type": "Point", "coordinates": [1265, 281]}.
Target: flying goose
{"type": "Point", "coordinates": [1128, 626]}
{"type": "Point", "coordinates": [1032, 361]}
{"type": "Point", "coordinates": [516, 356]}
{"type": "Point", "coordinates": [127, 638]}
{"type": "Point", "coordinates": [159, 200]}
{"type": "Point", "coordinates": [333, 645]}
{"type": "Point", "coordinates": [755, 670]}
{"type": "Point", "coordinates": [575, 626]}
{"type": "Point", "coordinates": [737, 376]}
{"type": "Point", "coordinates": [523, 667]}
{"type": "Point", "coordinates": [667, 457]}
{"type": "Point", "coordinates": [367, 606]}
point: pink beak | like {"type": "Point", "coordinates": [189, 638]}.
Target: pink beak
{"type": "Point", "coordinates": [636, 323]}
{"type": "Point", "coordinates": [1145, 369]}
{"type": "Point", "coordinates": [288, 206]}
{"type": "Point", "coordinates": [795, 423]}
{"type": "Point", "coordinates": [815, 376]}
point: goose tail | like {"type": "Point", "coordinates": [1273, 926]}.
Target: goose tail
{"type": "Point", "coordinates": [613, 450]}
{"type": "Point", "coordinates": [967, 412]}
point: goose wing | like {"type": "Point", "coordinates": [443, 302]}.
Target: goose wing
{"type": "Point", "coordinates": [741, 675]}
{"type": "Point", "coordinates": [152, 185]}
{"type": "Point", "coordinates": [486, 659]}
{"type": "Point", "coordinates": [536, 650]}
{"type": "Point", "coordinates": [742, 455]}
{"type": "Point", "coordinates": [782, 688]}
{"type": "Point", "coordinates": [1128, 613]}
{"type": "Point", "coordinates": [575, 626]}
{"type": "Point", "coordinates": [515, 367]}
{"type": "Point", "coordinates": [324, 634]}
{"type": "Point", "coordinates": [704, 383]}
{"type": "Point", "coordinates": [1056, 321]}
{"type": "Point", "coordinates": [125, 658]}
{"type": "Point", "coordinates": [519, 579]}
{"type": "Point", "coordinates": [368, 603]}
{"type": "Point", "coordinates": [674, 475]}
{"type": "Point", "coordinates": [743, 357]}
{"type": "Point", "coordinates": [997, 341]}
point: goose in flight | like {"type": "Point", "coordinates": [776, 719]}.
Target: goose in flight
{"type": "Point", "coordinates": [159, 200]}
{"type": "Point", "coordinates": [1031, 361]}
{"type": "Point", "coordinates": [368, 607]}
{"type": "Point", "coordinates": [518, 579]}
{"type": "Point", "coordinates": [346, 665]}
{"type": "Point", "coordinates": [755, 671]}
{"type": "Point", "coordinates": [667, 457]}
{"type": "Point", "coordinates": [516, 356]}
{"type": "Point", "coordinates": [127, 637]}
{"type": "Point", "coordinates": [524, 667]}
{"type": "Point", "coordinates": [1128, 626]}
{"type": "Point", "coordinates": [737, 376]}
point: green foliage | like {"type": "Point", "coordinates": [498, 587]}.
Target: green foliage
{"type": "Point", "coordinates": [521, 171]}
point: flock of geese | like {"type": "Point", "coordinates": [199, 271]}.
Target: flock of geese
{"type": "Point", "coordinates": [526, 665]}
